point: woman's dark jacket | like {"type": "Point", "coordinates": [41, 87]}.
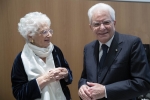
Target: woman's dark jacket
{"type": "Point", "coordinates": [29, 90]}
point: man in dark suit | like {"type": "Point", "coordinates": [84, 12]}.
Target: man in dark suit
{"type": "Point", "coordinates": [115, 65]}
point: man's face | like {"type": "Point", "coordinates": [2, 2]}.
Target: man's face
{"type": "Point", "coordinates": [102, 25]}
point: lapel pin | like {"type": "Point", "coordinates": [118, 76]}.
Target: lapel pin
{"type": "Point", "coordinates": [116, 50]}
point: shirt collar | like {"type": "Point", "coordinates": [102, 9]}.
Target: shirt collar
{"type": "Point", "coordinates": [107, 43]}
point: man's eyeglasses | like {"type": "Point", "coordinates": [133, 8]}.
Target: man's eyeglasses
{"type": "Point", "coordinates": [45, 32]}
{"type": "Point", "coordinates": [98, 24]}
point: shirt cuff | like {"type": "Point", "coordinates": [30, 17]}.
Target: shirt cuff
{"type": "Point", "coordinates": [105, 93]}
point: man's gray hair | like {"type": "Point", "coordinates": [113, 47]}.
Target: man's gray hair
{"type": "Point", "coordinates": [101, 6]}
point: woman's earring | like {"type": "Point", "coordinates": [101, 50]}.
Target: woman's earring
{"type": "Point", "coordinates": [32, 41]}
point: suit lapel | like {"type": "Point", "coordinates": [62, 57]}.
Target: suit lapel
{"type": "Point", "coordinates": [112, 54]}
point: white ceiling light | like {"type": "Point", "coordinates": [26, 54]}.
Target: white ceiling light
{"type": "Point", "coordinates": [133, 0]}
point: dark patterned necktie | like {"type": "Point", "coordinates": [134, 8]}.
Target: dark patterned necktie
{"type": "Point", "coordinates": [104, 48]}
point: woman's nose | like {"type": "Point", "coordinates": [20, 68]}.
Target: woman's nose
{"type": "Point", "coordinates": [49, 34]}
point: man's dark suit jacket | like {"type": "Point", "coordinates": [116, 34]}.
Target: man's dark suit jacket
{"type": "Point", "coordinates": [29, 90]}
{"type": "Point", "coordinates": [125, 73]}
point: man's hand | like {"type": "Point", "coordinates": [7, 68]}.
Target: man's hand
{"type": "Point", "coordinates": [97, 91]}
{"type": "Point", "coordinates": [84, 93]}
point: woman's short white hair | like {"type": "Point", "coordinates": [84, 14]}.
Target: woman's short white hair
{"type": "Point", "coordinates": [101, 6]}
{"type": "Point", "coordinates": [31, 22]}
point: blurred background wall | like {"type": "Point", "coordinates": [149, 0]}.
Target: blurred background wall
{"type": "Point", "coordinates": [71, 31]}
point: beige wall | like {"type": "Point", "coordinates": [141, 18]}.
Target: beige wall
{"type": "Point", "coordinates": [71, 31]}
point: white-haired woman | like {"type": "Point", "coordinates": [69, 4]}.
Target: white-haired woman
{"type": "Point", "coordinates": [40, 71]}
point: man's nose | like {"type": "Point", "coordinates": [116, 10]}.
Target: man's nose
{"type": "Point", "coordinates": [101, 26]}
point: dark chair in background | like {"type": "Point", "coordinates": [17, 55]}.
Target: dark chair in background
{"type": "Point", "coordinates": [147, 50]}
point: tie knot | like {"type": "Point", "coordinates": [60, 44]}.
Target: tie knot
{"type": "Point", "coordinates": [104, 47]}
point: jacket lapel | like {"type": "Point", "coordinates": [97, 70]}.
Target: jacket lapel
{"type": "Point", "coordinates": [112, 54]}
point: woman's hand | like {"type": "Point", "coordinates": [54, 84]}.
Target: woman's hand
{"type": "Point", "coordinates": [53, 75]}
{"type": "Point", "coordinates": [60, 73]}
{"type": "Point", "coordinates": [56, 74]}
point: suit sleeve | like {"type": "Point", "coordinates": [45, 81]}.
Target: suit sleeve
{"type": "Point", "coordinates": [83, 78]}
{"type": "Point", "coordinates": [22, 88]}
{"type": "Point", "coordinates": [139, 73]}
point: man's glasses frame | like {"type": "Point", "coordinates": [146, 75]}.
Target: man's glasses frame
{"type": "Point", "coordinates": [98, 24]}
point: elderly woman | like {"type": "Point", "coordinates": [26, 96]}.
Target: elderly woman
{"type": "Point", "coordinates": [40, 71]}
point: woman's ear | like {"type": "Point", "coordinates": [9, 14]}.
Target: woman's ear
{"type": "Point", "coordinates": [29, 38]}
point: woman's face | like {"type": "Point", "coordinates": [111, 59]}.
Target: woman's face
{"type": "Point", "coordinates": [42, 37]}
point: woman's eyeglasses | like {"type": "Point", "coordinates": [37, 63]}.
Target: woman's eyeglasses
{"type": "Point", "coordinates": [45, 32]}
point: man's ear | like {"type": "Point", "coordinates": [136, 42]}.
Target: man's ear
{"type": "Point", "coordinates": [90, 26]}
{"type": "Point", "coordinates": [114, 23]}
